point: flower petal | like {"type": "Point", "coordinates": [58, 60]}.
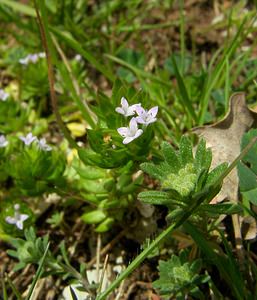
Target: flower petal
{"type": "Point", "coordinates": [23, 217]}
{"type": "Point", "coordinates": [124, 103]}
{"type": "Point", "coordinates": [19, 224]}
{"type": "Point", "coordinates": [140, 120]}
{"type": "Point", "coordinates": [128, 139]}
{"type": "Point", "coordinates": [153, 111]}
{"type": "Point", "coordinates": [139, 110]}
{"type": "Point", "coordinates": [123, 131]}
{"type": "Point", "coordinates": [138, 133]}
{"type": "Point", "coordinates": [10, 220]}
{"type": "Point", "coordinates": [133, 126]}
{"type": "Point", "coordinates": [120, 110]}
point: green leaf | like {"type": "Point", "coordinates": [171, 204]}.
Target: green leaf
{"type": "Point", "coordinates": [170, 156]}
{"type": "Point", "coordinates": [250, 156]}
{"type": "Point", "coordinates": [22, 8]}
{"type": "Point", "coordinates": [227, 208]}
{"type": "Point", "coordinates": [247, 178]}
{"type": "Point", "coordinates": [105, 225]}
{"type": "Point", "coordinates": [203, 156]}
{"type": "Point", "coordinates": [185, 150]}
{"type": "Point", "coordinates": [155, 197]}
{"type": "Point", "coordinates": [251, 196]}
{"type": "Point", "coordinates": [93, 217]}
{"type": "Point", "coordinates": [215, 173]}
{"type": "Point", "coordinates": [152, 170]}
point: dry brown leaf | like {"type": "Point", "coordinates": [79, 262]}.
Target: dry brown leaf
{"type": "Point", "coordinates": [224, 139]}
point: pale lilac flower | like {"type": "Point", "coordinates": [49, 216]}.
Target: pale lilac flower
{"type": "Point", "coordinates": [3, 95]}
{"type": "Point", "coordinates": [125, 109]}
{"type": "Point", "coordinates": [43, 145]}
{"type": "Point", "coordinates": [3, 141]}
{"type": "Point", "coordinates": [131, 132]}
{"type": "Point", "coordinates": [24, 61]}
{"type": "Point", "coordinates": [33, 58]}
{"type": "Point", "coordinates": [146, 117]}
{"type": "Point", "coordinates": [28, 139]}
{"type": "Point", "coordinates": [18, 218]}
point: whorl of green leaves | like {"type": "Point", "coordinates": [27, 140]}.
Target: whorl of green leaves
{"type": "Point", "coordinates": [178, 277]}
{"type": "Point", "coordinates": [181, 174]}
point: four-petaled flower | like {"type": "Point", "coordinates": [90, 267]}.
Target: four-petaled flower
{"type": "Point", "coordinates": [18, 218]}
{"type": "Point", "coordinates": [43, 145]}
{"type": "Point", "coordinates": [146, 117]}
{"type": "Point", "coordinates": [131, 132]}
{"type": "Point", "coordinates": [125, 109]}
{"type": "Point", "coordinates": [3, 95]}
{"type": "Point", "coordinates": [28, 139]}
{"type": "Point", "coordinates": [3, 141]}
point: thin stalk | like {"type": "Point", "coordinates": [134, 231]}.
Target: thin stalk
{"type": "Point", "coordinates": [51, 77]}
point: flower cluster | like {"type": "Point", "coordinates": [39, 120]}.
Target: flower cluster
{"type": "Point", "coordinates": [18, 218]}
{"type": "Point", "coordinates": [3, 95]}
{"type": "Point", "coordinates": [144, 117]}
{"type": "Point", "coordinates": [41, 143]}
{"type": "Point", "coordinates": [32, 58]}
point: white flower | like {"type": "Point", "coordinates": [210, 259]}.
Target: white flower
{"type": "Point", "coordinates": [18, 218]}
{"type": "Point", "coordinates": [130, 133]}
{"type": "Point", "coordinates": [28, 139]}
{"type": "Point", "coordinates": [125, 109]}
{"type": "Point", "coordinates": [24, 61]}
{"type": "Point", "coordinates": [3, 95]}
{"type": "Point", "coordinates": [42, 55]}
{"type": "Point", "coordinates": [78, 57]}
{"type": "Point", "coordinates": [146, 117]}
{"type": "Point", "coordinates": [3, 141]}
{"type": "Point", "coordinates": [43, 145]}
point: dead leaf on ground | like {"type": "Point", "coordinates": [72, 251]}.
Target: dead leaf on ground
{"type": "Point", "coordinates": [224, 138]}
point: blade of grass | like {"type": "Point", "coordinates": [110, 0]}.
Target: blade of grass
{"type": "Point", "coordinates": [19, 7]}
{"type": "Point", "coordinates": [71, 42]}
{"type": "Point", "coordinates": [184, 99]}
{"type": "Point", "coordinates": [5, 297]}
{"type": "Point", "coordinates": [232, 278]}
{"type": "Point", "coordinates": [14, 289]}
{"type": "Point", "coordinates": [214, 74]}
{"type": "Point", "coordinates": [73, 87]}
{"type": "Point", "coordinates": [38, 274]}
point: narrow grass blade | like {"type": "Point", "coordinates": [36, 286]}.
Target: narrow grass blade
{"type": "Point", "coordinates": [231, 276]}
{"type": "Point", "coordinates": [5, 297]}
{"type": "Point", "coordinates": [71, 42]}
{"type": "Point", "coordinates": [19, 7]}
{"type": "Point", "coordinates": [184, 99]}
{"type": "Point", "coordinates": [215, 74]}
{"type": "Point", "coordinates": [38, 274]}
{"type": "Point", "coordinates": [14, 289]}
{"type": "Point", "coordinates": [138, 72]}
